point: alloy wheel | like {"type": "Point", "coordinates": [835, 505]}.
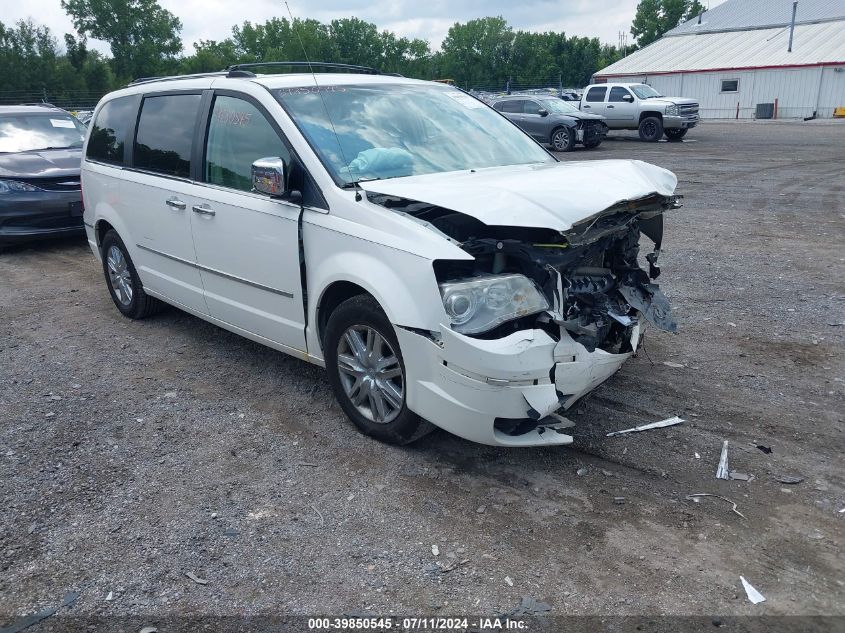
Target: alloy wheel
{"type": "Point", "coordinates": [561, 140]}
{"type": "Point", "coordinates": [371, 374]}
{"type": "Point", "coordinates": [119, 276]}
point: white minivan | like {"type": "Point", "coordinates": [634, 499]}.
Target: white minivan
{"type": "Point", "coordinates": [443, 267]}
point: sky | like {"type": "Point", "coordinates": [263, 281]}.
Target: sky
{"type": "Point", "coordinates": [429, 19]}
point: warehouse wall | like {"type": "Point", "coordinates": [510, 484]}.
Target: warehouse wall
{"type": "Point", "coordinates": [799, 91]}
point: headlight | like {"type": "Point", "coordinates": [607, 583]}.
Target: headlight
{"type": "Point", "coordinates": [480, 304]}
{"type": "Point", "coordinates": [12, 186]}
{"type": "Point", "coordinates": [672, 110]}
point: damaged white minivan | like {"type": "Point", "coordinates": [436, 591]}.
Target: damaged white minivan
{"type": "Point", "coordinates": [443, 267]}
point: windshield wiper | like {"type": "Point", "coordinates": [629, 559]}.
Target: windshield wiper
{"type": "Point", "coordinates": [41, 149]}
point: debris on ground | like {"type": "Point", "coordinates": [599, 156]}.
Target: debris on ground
{"type": "Point", "coordinates": [528, 607]}
{"type": "Point", "coordinates": [789, 479]}
{"type": "Point", "coordinates": [581, 472]}
{"type": "Point", "coordinates": [480, 509]}
{"type": "Point", "coordinates": [695, 497]}
{"type": "Point", "coordinates": [435, 551]}
{"type": "Point", "coordinates": [766, 449]}
{"type": "Point", "coordinates": [445, 568]}
{"type": "Point", "coordinates": [319, 514]}
{"type": "Point", "coordinates": [195, 578]}
{"type": "Point", "coordinates": [669, 363]}
{"type": "Point", "coordinates": [508, 581]}
{"type": "Point", "coordinates": [35, 618]}
{"type": "Point", "coordinates": [619, 500]}
{"type": "Point", "coordinates": [697, 456]}
{"type": "Point", "coordinates": [722, 470]}
{"type": "Point", "coordinates": [736, 475]}
{"type": "Point", "coordinates": [110, 597]}
{"type": "Point", "coordinates": [753, 595]}
{"type": "Point", "coordinates": [646, 427]}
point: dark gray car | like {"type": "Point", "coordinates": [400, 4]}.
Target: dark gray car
{"type": "Point", "coordinates": [553, 121]}
{"type": "Point", "coordinates": [40, 160]}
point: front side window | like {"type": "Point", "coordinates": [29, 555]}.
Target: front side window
{"type": "Point", "coordinates": [39, 131]}
{"type": "Point", "coordinates": [108, 133]}
{"type": "Point", "coordinates": [531, 107]}
{"type": "Point", "coordinates": [368, 132]}
{"type": "Point", "coordinates": [165, 134]}
{"type": "Point", "coordinates": [596, 94]}
{"type": "Point", "coordinates": [238, 135]}
{"type": "Point", "coordinates": [617, 93]}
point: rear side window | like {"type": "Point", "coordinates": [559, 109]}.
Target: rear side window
{"type": "Point", "coordinates": [165, 134]}
{"type": "Point", "coordinates": [238, 135]}
{"type": "Point", "coordinates": [513, 106]}
{"type": "Point", "coordinates": [109, 130]}
{"type": "Point", "coordinates": [596, 94]}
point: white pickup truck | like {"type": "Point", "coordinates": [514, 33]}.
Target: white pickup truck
{"type": "Point", "coordinates": [641, 107]}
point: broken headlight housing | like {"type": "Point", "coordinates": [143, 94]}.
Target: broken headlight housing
{"type": "Point", "coordinates": [480, 304]}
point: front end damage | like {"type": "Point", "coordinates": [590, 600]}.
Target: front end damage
{"type": "Point", "coordinates": [511, 382]}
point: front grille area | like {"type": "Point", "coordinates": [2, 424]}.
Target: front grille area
{"type": "Point", "coordinates": [62, 183]}
{"type": "Point", "coordinates": [689, 109]}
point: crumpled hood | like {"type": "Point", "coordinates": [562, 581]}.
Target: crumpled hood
{"type": "Point", "coordinates": [551, 195]}
{"type": "Point", "coordinates": [41, 164]}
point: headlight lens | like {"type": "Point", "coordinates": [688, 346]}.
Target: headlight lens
{"type": "Point", "coordinates": [672, 110]}
{"type": "Point", "coordinates": [12, 186]}
{"type": "Point", "coordinates": [480, 304]}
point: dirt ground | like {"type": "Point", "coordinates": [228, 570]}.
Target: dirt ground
{"type": "Point", "coordinates": [132, 453]}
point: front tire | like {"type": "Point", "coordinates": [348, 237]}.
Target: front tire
{"type": "Point", "coordinates": [592, 144]}
{"type": "Point", "coordinates": [123, 282]}
{"type": "Point", "coordinates": [367, 372]}
{"type": "Point", "coordinates": [651, 129]}
{"type": "Point", "coordinates": [563, 139]}
{"type": "Point", "coordinates": [673, 136]}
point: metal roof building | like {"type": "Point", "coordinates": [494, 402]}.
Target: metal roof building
{"type": "Point", "coordinates": [737, 55]}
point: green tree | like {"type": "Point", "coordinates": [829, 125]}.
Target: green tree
{"type": "Point", "coordinates": [477, 52]}
{"type": "Point", "coordinates": [144, 38]}
{"type": "Point", "coordinates": [655, 17]}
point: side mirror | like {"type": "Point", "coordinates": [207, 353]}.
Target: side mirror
{"type": "Point", "coordinates": [543, 112]}
{"type": "Point", "coordinates": [628, 98]}
{"type": "Point", "coordinates": [270, 176]}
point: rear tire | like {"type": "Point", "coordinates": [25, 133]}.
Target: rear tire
{"type": "Point", "coordinates": [592, 144]}
{"type": "Point", "coordinates": [563, 139]}
{"type": "Point", "coordinates": [651, 129]}
{"type": "Point", "coordinates": [123, 282]}
{"type": "Point", "coordinates": [367, 372]}
{"type": "Point", "coordinates": [673, 136]}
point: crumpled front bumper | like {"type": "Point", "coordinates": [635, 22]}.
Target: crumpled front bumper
{"type": "Point", "coordinates": [464, 384]}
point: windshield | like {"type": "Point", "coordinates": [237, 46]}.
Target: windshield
{"type": "Point", "coordinates": [28, 132]}
{"type": "Point", "coordinates": [644, 92]}
{"type": "Point", "coordinates": [559, 106]}
{"type": "Point", "coordinates": [388, 131]}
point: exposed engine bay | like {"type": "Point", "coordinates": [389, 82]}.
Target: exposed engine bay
{"type": "Point", "coordinates": [590, 274]}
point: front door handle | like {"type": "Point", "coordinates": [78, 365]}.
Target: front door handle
{"type": "Point", "coordinates": [586, 107]}
{"type": "Point", "coordinates": [609, 107]}
{"type": "Point", "coordinates": [203, 209]}
{"type": "Point", "coordinates": [175, 203]}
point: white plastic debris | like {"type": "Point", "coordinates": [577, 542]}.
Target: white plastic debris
{"type": "Point", "coordinates": [508, 581]}
{"type": "Point", "coordinates": [753, 595]}
{"type": "Point", "coordinates": [697, 456]}
{"type": "Point", "coordinates": [669, 363]}
{"type": "Point", "coordinates": [722, 470]}
{"type": "Point", "coordinates": [435, 550]}
{"type": "Point", "coordinates": [110, 597]}
{"type": "Point", "coordinates": [647, 427]}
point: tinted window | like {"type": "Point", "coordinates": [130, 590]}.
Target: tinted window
{"type": "Point", "coordinates": [513, 106]}
{"type": "Point", "coordinates": [238, 135]}
{"type": "Point", "coordinates": [165, 133]}
{"type": "Point", "coordinates": [108, 133]}
{"type": "Point", "coordinates": [530, 107]}
{"type": "Point", "coordinates": [596, 94]}
{"type": "Point", "coordinates": [616, 94]}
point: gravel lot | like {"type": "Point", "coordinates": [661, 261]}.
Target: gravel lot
{"type": "Point", "coordinates": [132, 453]}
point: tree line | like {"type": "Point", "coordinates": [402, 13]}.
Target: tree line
{"type": "Point", "coordinates": [144, 41]}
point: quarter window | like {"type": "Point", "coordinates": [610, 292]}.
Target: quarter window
{"type": "Point", "coordinates": [730, 85]}
{"type": "Point", "coordinates": [596, 94]}
{"type": "Point", "coordinates": [617, 93]}
{"type": "Point", "coordinates": [165, 134]}
{"type": "Point", "coordinates": [238, 135]}
{"type": "Point", "coordinates": [109, 130]}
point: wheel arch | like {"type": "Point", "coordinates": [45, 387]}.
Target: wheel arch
{"type": "Point", "coordinates": [650, 113]}
{"type": "Point", "coordinates": [332, 296]}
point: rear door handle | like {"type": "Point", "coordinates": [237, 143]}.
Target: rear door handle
{"type": "Point", "coordinates": [203, 209]}
{"type": "Point", "coordinates": [175, 203]}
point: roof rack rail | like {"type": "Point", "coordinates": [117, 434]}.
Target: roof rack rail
{"type": "Point", "coordinates": [296, 64]}
{"type": "Point", "coordinates": [146, 80]}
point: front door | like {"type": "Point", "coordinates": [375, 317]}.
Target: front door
{"type": "Point", "coordinates": [247, 244]}
{"type": "Point", "coordinates": [533, 122]}
{"type": "Point", "coordinates": [621, 109]}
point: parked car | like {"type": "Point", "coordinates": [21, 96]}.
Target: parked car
{"type": "Point", "coordinates": [40, 156]}
{"type": "Point", "coordinates": [443, 267]}
{"type": "Point", "coordinates": [640, 107]}
{"type": "Point", "coordinates": [553, 121]}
